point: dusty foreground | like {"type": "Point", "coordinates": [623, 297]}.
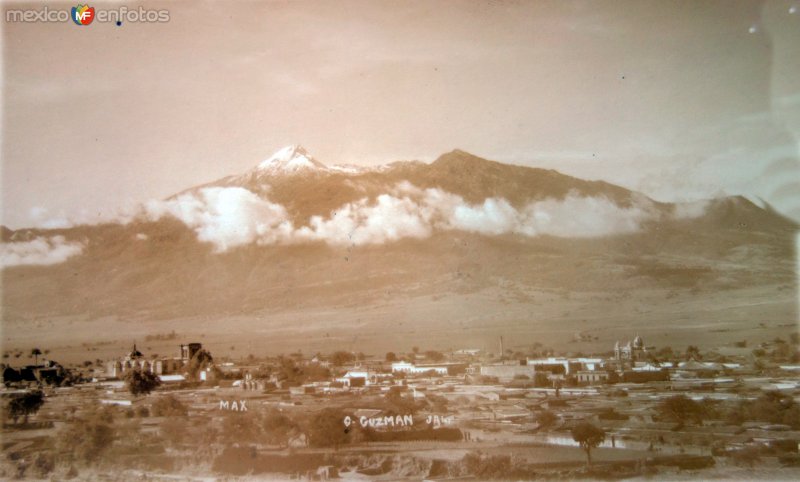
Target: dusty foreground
{"type": "Point", "coordinates": [587, 322]}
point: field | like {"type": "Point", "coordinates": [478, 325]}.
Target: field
{"type": "Point", "coordinates": [524, 318]}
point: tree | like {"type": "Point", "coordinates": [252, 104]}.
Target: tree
{"type": "Point", "coordinates": [546, 419]}
{"type": "Point", "coordinates": [35, 354]}
{"type": "Point", "coordinates": [25, 405]}
{"type": "Point", "coordinates": [289, 371]}
{"type": "Point", "coordinates": [277, 427]}
{"type": "Point", "coordinates": [397, 404]}
{"type": "Point", "coordinates": [772, 407]}
{"type": "Point", "coordinates": [589, 437]}
{"type": "Point", "coordinates": [681, 409]}
{"type": "Point", "coordinates": [140, 382]}
{"type": "Point", "coordinates": [391, 357]}
{"type": "Point", "coordinates": [434, 356]}
{"type": "Point", "coordinates": [693, 353]}
{"type": "Point", "coordinates": [341, 358]}
{"type": "Point", "coordinates": [200, 361]}
{"type": "Point", "coordinates": [665, 353]}
{"type": "Point", "coordinates": [326, 429]}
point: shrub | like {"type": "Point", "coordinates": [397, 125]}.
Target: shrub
{"type": "Point", "coordinates": [546, 419]}
{"type": "Point", "coordinates": [487, 467]}
{"type": "Point", "coordinates": [240, 427]}
{"type": "Point", "coordinates": [169, 406]}
{"type": "Point", "coordinates": [85, 440]}
{"type": "Point", "coordinates": [326, 429]}
{"type": "Point", "coordinates": [681, 409]}
{"type": "Point", "coordinates": [277, 427]}
{"type": "Point", "coordinates": [44, 464]}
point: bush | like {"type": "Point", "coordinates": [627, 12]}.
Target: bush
{"type": "Point", "coordinates": [85, 440]}
{"type": "Point", "coordinates": [681, 409]}
{"type": "Point", "coordinates": [277, 427]}
{"type": "Point", "coordinates": [611, 414]}
{"type": "Point", "coordinates": [169, 406]}
{"type": "Point", "coordinates": [546, 419]}
{"type": "Point", "coordinates": [772, 407]}
{"type": "Point", "coordinates": [44, 464]}
{"type": "Point", "coordinates": [326, 429]}
{"type": "Point", "coordinates": [240, 427]}
{"type": "Point", "coordinates": [487, 467]}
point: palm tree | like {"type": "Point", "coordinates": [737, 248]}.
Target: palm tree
{"type": "Point", "coordinates": [35, 353]}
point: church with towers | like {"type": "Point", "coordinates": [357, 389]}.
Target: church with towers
{"type": "Point", "coordinates": [631, 351]}
{"type": "Point", "coordinates": [135, 360]}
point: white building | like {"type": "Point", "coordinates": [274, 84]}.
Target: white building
{"type": "Point", "coordinates": [411, 369]}
{"type": "Point", "coordinates": [355, 378]}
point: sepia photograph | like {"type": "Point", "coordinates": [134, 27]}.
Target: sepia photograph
{"type": "Point", "coordinates": [400, 240]}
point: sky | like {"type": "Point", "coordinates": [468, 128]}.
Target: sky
{"type": "Point", "coordinates": [678, 100]}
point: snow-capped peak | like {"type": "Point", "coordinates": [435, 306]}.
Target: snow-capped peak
{"type": "Point", "coordinates": [289, 160]}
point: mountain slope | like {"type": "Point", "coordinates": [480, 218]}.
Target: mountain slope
{"type": "Point", "coordinates": [161, 267]}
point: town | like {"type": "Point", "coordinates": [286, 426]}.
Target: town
{"type": "Point", "coordinates": [636, 410]}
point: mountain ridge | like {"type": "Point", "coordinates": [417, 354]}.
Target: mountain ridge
{"type": "Point", "coordinates": [461, 224]}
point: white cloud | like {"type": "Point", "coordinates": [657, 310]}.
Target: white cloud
{"type": "Point", "coordinates": [390, 218]}
{"type": "Point", "coordinates": [411, 212]}
{"type": "Point", "coordinates": [690, 210]}
{"type": "Point", "coordinates": [41, 217]}
{"type": "Point", "coordinates": [41, 251]}
{"type": "Point", "coordinates": [494, 216]}
{"type": "Point", "coordinates": [226, 216]}
{"type": "Point", "coordinates": [577, 216]}
{"type": "Point", "coordinates": [229, 217]}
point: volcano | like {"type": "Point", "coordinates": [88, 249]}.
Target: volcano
{"type": "Point", "coordinates": [294, 234]}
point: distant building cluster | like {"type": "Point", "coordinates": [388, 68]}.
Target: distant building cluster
{"type": "Point", "coordinates": [48, 372]}
{"type": "Point", "coordinates": [135, 360]}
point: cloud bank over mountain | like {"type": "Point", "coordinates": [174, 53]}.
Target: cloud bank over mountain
{"type": "Point", "coordinates": [291, 198]}
{"type": "Point", "coordinates": [233, 216]}
{"type": "Point", "coordinates": [39, 251]}
{"type": "Point", "coordinates": [227, 217]}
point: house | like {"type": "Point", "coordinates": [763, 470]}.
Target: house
{"type": "Point", "coordinates": [355, 378]}
{"type": "Point", "coordinates": [591, 377]}
{"type": "Point", "coordinates": [507, 372]}
{"type": "Point", "coordinates": [411, 369]}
